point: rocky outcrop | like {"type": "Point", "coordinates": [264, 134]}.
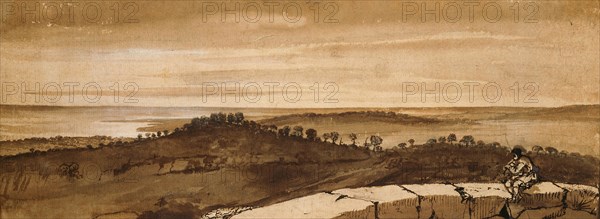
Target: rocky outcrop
{"type": "Point", "coordinates": [464, 200]}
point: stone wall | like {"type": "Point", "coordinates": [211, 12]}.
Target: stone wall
{"type": "Point", "coordinates": [464, 200]}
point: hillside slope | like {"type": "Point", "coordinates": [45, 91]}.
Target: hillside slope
{"type": "Point", "coordinates": [179, 175]}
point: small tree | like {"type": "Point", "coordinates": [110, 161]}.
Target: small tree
{"type": "Point", "coordinates": [431, 141]}
{"type": "Point", "coordinates": [451, 138]}
{"type": "Point", "coordinates": [442, 139]}
{"type": "Point", "coordinates": [376, 141]}
{"type": "Point", "coordinates": [231, 118]}
{"type": "Point", "coordinates": [402, 145]}
{"type": "Point", "coordinates": [196, 122]}
{"type": "Point", "coordinates": [214, 117]}
{"type": "Point", "coordinates": [253, 125]}
{"type": "Point", "coordinates": [273, 128]}
{"type": "Point", "coordinates": [537, 149]}
{"type": "Point", "coordinates": [165, 132]}
{"type": "Point", "coordinates": [551, 150]}
{"type": "Point", "coordinates": [563, 153]}
{"type": "Point", "coordinates": [326, 136]}
{"type": "Point", "coordinates": [239, 117]}
{"type": "Point", "coordinates": [286, 130]}
{"type": "Point", "coordinates": [467, 140]}
{"type": "Point", "coordinates": [353, 138]}
{"type": "Point", "coordinates": [139, 137]}
{"type": "Point", "coordinates": [159, 133]}
{"type": "Point", "coordinates": [264, 128]}
{"type": "Point", "coordinates": [335, 136]}
{"type": "Point", "coordinates": [298, 131]}
{"type": "Point", "coordinates": [153, 135]}
{"type": "Point", "coordinates": [480, 143]}
{"type": "Point", "coordinates": [411, 142]}
{"type": "Point", "coordinates": [311, 134]}
{"type": "Point", "coordinates": [222, 117]}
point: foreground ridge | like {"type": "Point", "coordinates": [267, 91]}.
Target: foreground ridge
{"type": "Point", "coordinates": [462, 200]}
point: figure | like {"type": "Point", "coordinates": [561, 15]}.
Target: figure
{"type": "Point", "coordinates": [521, 174]}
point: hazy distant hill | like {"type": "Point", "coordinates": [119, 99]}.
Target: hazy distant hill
{"type": "Point", "coordinates": [352, 117]}
{"type": "Point", "coordinates": [575, 112]}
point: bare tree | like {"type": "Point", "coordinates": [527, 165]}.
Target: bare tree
{"type": "Point", "coordinates": [326, 136]}
{"type": "Point", "coordinates": [353, 138]}
{"type": "Point", "coordinates": [335, 136]}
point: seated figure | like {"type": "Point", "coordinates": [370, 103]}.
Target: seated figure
{"type": "Point", "coordinates": [520, 174]}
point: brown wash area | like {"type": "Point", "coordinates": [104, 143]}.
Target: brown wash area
{"type": "Point", "coordinates": [299, 109]}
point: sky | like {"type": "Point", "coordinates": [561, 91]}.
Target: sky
{"type": "Point", "coordinates": [297, 54]}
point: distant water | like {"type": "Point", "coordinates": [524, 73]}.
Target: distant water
{"type": "Point", "coordinates": [24, 122]}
